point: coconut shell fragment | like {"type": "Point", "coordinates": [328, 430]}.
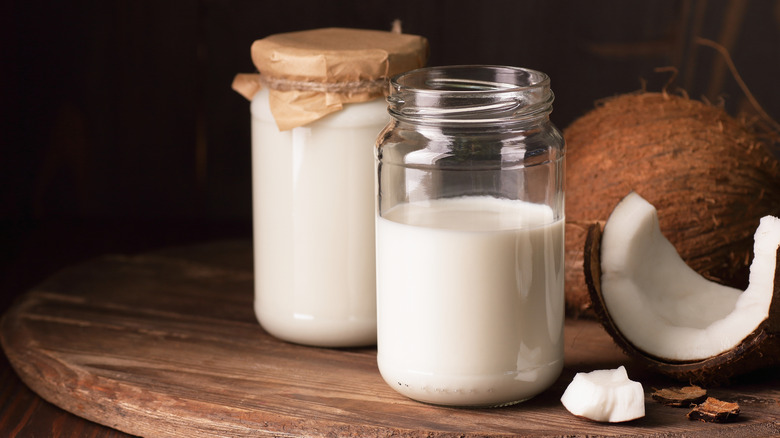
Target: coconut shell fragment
{"type": "Point", "coordinates": [715, 411]}
{"type": "Point", "coordinates": [680, 397]}
{"type": "Point", "coordinates": [708, 175]}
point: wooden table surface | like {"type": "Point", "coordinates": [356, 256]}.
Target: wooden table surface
{"type": "Point", "coordinates": [165, 344]}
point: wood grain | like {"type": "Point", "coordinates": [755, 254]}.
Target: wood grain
{"type": "Point", "coordinates": [165, 344]}
{"type": "Point", "coordinates": [24, 414]}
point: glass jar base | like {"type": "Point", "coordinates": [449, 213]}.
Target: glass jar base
{"type": "Point", "coordinates": [487, 406]}
{"type": "Point", "coordinates": [320, 331]}
{"type": "Point", "coordinates": [483, 391]}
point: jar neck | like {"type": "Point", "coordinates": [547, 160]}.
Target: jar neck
{"type": "Point", "coordinates": [470, 96]}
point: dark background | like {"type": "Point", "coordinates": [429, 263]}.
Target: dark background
{"type": "Point", "coordinates": [120, 132]}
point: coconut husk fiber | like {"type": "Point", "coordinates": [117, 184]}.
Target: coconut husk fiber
{"type": "Point", "coordinates": [709, 176]}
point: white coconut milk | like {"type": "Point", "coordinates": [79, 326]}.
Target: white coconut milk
{"type": "Point", "coordinates": [470, 299]}
{"type": "Point", "coordinates": [313, 212]}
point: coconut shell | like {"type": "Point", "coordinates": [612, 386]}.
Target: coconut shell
{"type": "Point", "coordinates": [760, 349]}
{"type": "Point", "coordinates": [715, 411]}
{"type": "Point", "coordinates": [709, 177]}
{"type": "Point", "coordinates": [680, 397]}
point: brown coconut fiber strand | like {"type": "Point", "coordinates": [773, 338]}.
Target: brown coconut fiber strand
{"type": "Point", "coordinates": [710, 178]}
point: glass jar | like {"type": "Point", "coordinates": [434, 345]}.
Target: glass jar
{"type": "Point", "coordinates": [315, 119]}
{"type": "Point", "coordinates": [313, 209]}
{"type": "Point", "coordinates": [469, 228]}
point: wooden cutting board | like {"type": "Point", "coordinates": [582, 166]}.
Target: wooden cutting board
{"type": "Point", "coordinates": [166, 344]}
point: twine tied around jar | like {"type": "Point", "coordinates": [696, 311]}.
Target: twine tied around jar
{"type": "Point", "coordinates": [361, 86]}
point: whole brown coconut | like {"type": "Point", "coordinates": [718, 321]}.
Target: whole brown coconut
{"type": "Point", "coordinates": [710, 178]}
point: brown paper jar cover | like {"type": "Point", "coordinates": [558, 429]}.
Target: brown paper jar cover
{"type": "Point", "coordinates": [312, 73]}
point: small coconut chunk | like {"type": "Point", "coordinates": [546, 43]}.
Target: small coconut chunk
{"type": "Point", "coordinates": [680, 397]}
{"type": "Point", "coordinates": [715, 411]}
{"type": "Point", "coordinates": [605, 395]}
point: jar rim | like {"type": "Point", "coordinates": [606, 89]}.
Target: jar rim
{"type": "Point", "coordinates": [470, 74]}
{"type": "Point", "coordinates": [470, 94]}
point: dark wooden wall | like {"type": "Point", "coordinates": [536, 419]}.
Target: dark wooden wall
{"type": "Point", "coordinates": [119, 130]}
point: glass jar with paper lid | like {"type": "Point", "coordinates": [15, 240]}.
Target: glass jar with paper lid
{"type": "Point", "coordinates": [317, 106]}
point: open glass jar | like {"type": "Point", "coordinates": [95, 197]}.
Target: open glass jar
{"type": "Point", "coordinates": [470, 220]}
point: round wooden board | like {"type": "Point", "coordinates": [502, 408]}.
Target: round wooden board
{"type": "Point", "coordinates": [166, 344]}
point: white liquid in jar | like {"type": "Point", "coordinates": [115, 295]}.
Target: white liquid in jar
{"type": "Point", "coordinates": [313, 213]}
{"type": "Point", "coordinates": [470, 299]}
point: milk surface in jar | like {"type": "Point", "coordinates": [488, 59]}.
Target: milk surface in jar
{"type": "Point", "coordinates": [315, 118]}
{"type": "Point", "coordinates": [469, 232]}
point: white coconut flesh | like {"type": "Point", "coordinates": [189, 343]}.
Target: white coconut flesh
{"type": "Point", "coordinates": [605, 395]}
{"type": "Point", "coordinates": [665, 308]}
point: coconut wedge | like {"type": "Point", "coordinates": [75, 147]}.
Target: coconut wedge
{"type": "Point", "coordinates": [668, 316]}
